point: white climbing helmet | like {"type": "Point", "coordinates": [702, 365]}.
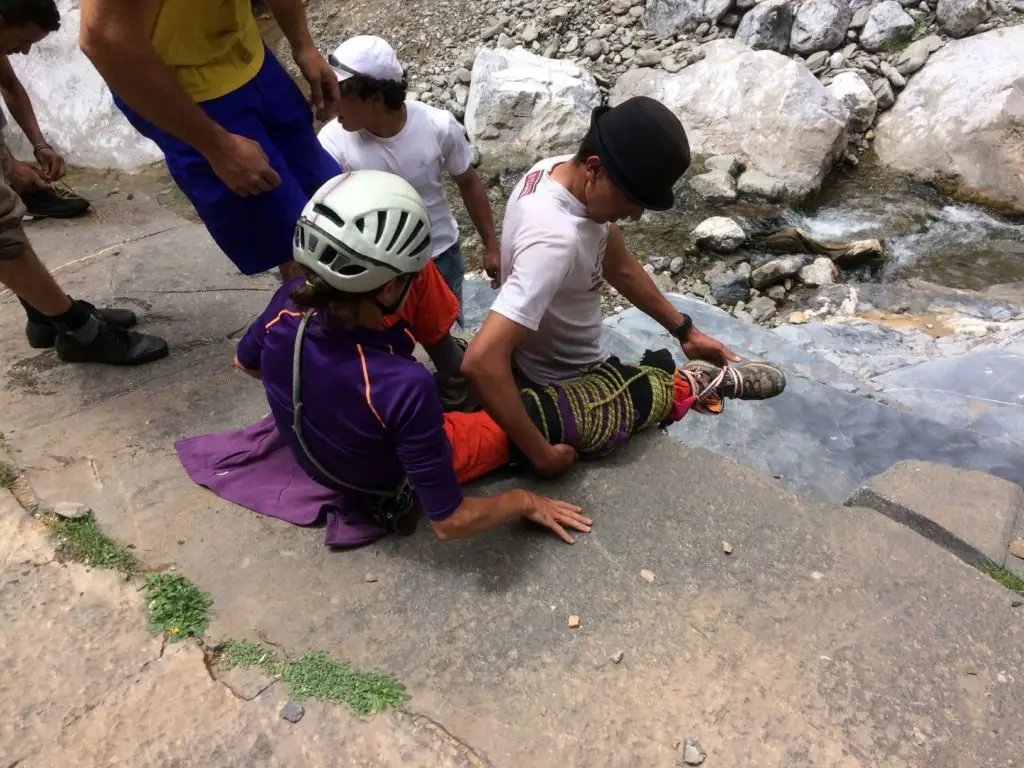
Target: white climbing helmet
{"type": "Point", "coordinates": [363, 229]}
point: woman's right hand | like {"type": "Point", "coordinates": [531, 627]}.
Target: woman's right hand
{"type": "Point", "coordinates": [557, 516]}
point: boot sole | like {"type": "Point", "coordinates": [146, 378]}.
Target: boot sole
{"type": "Point", "coordinates": [149, 357]}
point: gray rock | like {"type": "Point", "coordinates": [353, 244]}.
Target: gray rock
{"type": "Point", "coordinates": [592, 49]}
{"type": "Point", "coordinates": [715, 186]}
{"type": "Point", "coordinates": [760, 104]}
{"type": "Point", "coordinates": [882, 89]}
{"type": "Point", "coordinates": [730, 164]}
{"type": "Point", "coordinates": [757, 184]}
{"type": "Point", "coordinates": [700, 289]}
{"type": "Point", "coordinates": [659, 263]}
{"type": "Point", "coordinates": [461, 94]}
{"type": "Point", "coordinates": [617, 657]}
{"type": "Point", "coordinates": [776, 293]}
{"type": "Point", "coordinates": [71, 510]}
{"type": "Point", "coordinates": [761, 309]}
{"type": "Point", "coordinates": [958, 18]}
{"type": "Point", "coordinates": [850, 90]}
{"type": "Point", "coordinates": [744, 268]}
{"type": "Point", "coordinates": [667, 17]}
{"type": "Point", "coordinates": [729, 287]}
{"type": "Point", "coordinates": [822, 271]}
{"type": "Point", "coordinates": [572, 45]}
{"type": "Point", "coordinates": [820, 25]}
{"type": "Point", "coordinates": [816, 62]}
{"type": "Point", "coordinates": [836, 60]}
{"type": "Point", "coordinates": [767, 25]}
{"type": "Point", "coordinates": [463, 75]}
{"type": "Point", "coordinates": [458, 110]}
{"type": "Point", "coordinates": [719, 233]}
{"type": "Point", "coordinates": [893, 75]}
{"type": "Point", "coordinates": [664, 282]}
{"type": "Point", "coordinates": [669, 64]}
{"type": "Point", "coordinates": [543, 106]}
{"type": "Point", "coordinates": [465, 61]}
{"type": "Point", "coordinates": [692, 753]}
{"type": "Point", "coordinates": [292, 712]}
{"type": "Point", "coordinates": [487, 33]}
{"type": "Point", "coordinates": [677, 265]}
{"type": "Point", "coordinates": [506, 42]}
{"type": "Point", "coordinates": [914, 56]}
{"type": "Point", "coordinates": [647, 57]}
{"type": "Point", "coordinates": [559, 14]}
{"type": "Point", "coordinates": [776, 271]}
{"type": "Point", "coordinates": [860, 17]}
{"type": "Point", "coordinates": [955, 120]}
{"type": "Point", "coordinates": [530, 33]}
{"type": "Point", "coordinates": [887, 24]}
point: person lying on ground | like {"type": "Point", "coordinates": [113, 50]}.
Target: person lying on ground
{"type": "Point", "coordinates": [235, 130]}
{"type": "Point", "coordinates": [80, 332]}
{"type": "Point", "coordinates": [343, 336]}
{"type": "Point", "coordinates": [378, 129]}
{"type": "Point", "coordinates": [36, 183]}
{"type": "Point", "coordinates": [559, 246]}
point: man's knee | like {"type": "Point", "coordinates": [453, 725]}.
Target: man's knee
{"type": "Point", "coordinates": [13, 241]}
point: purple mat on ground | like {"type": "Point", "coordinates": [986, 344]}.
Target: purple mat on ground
{"type": "Point", "coordinates": [255, 468]}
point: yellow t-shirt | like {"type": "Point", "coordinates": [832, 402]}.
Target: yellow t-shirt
{"type": "Point", "coordinates": [213, 46]}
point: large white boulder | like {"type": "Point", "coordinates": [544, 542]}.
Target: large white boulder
{"type": "Point", "coordinates": [75, 109]}
{"type": "Point", "coordinates": [759, 105]}
{"type": "Point", "coordinates": [523, 107]}
{"type": "Point", "coordinates": [960, 120]}
{"type": "Point", "coordinates": [850, 89]}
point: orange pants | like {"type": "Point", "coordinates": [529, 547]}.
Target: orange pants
{"type": "Point", "coordinates": [430, 309]}
{"type": "Point", "coordinates": [479, 445]}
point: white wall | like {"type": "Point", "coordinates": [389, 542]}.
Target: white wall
{"type": "Point", "coordinates": [74, 105]}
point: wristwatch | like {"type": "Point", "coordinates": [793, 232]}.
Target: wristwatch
{"type": "Point", "coordinates": [684, 328]}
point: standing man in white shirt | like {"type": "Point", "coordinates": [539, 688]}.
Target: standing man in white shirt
{"type": "Point", "coordinates": [559, 245]}
{"type": "Point", "coordinates": [377, 129]}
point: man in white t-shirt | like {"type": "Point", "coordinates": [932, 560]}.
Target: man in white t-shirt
{"type": "Point", "coordinates": [377, 129]}
{"type": "Point", "coordinates": [559, 245]}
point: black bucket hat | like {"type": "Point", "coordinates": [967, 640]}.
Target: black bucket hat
{"type": "Point", "coordinates": [643, 149]}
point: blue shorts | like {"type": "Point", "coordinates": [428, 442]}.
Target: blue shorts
{"type": "Point", "coordinates": [255, 232]}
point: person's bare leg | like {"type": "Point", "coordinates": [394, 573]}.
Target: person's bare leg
{"type": "Point", "coordinates": [28, 278]}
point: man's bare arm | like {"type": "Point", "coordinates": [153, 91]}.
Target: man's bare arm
{"type": "Point", "coordinates": [474, 197]}
{"type": "Point", "coordinates": [488, 366]}
{"type": "Point", "coordinates": [18, 103]}
{"type": "Point", "coordinates": [624, 274]}
{"type": "Point", "coordinates": [113, 36]}
{"type": "Point", "coordinates": [324, 91]}
{"type": "Point", "coordinates": [482, 513]}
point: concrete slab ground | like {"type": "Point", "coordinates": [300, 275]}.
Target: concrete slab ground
{"type": "Point", "coordinates": [973, 515]}
{"type": "Point", "coordinates": [830, 636]}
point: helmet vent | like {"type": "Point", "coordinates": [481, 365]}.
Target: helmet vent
{"type": "Point", "coordinates": [328, 214]}
{"type": "Point", "coordinates": [328, 255]}
{"type": "Point", "coordinates": [402, 220]}
{"type": "Point", "coordinates": [382, 220]}
{"type": "Point", "coordinates": [412, 237]}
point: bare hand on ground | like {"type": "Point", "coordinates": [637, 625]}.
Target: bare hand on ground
{"type": "Point", "coordinates": [243, 166]}
{"type": "Point", "coordinates": [557, 461]}
{"type": "Point", "coordinates": [700, 346]}
{"type": "Point", "coordinates": [324, 91]}
{"type": "Point", "coordinates": [557, 516]}
{"type": "Point", "coordinates": [25, 178]}
{"type": "Point", "coordinates": [51, 164]}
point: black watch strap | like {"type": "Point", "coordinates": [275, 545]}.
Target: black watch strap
{"type": "Point", "coordinates": [684, 328]}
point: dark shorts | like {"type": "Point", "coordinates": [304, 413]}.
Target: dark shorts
{"type": "Point", "coordinates": [255, 232]}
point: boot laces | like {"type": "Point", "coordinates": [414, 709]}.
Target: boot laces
{"type": "Point", "coordinates": [701, 385]}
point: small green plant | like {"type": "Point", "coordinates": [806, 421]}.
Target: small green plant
{"type": "Point", "coordinates": [177, 607]}
{"type": "Point", "coordinates": [82, 540]}
{"type": "Point", "coordinates": [1006, 577]}
{"type": "Point", "coordinates": [317, 676]}
{"type": "Point", "coordinates": [8, 474]}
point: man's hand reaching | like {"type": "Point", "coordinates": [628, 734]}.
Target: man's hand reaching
{"type": "Point", "coordinates": [700, 346]}
{"type": "Point", "coordinates": [557, 516]}
{"type": "Point", "coordinates": [324, 91]}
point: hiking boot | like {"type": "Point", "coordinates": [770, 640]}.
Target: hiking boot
{"type": "Point", "coordinates": [44, 335]}
{"type": "Point", "coordinates": [710, 384]}
{"type": "Point", "coordinates": [58, 201]}
{"type": "Point", "coordinates": [457, 395]}
{"type": "Point", "coordinates": [112, 346]}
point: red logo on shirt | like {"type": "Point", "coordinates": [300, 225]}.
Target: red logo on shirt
{"type": "Point", "coordinates": [530, 184]}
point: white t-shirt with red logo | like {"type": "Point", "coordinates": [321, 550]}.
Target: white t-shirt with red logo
{"type": "Point", "coordinates": [551, 277]}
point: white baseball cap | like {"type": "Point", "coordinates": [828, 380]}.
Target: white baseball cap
{"type": "Point", "coordinates": [366, 55]}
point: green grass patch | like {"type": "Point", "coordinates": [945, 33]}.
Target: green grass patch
{"type": "Point", "coordinates": [317, 676]}
{"type": "Point", "coordinates": [8, 474]}
{"type": "Point", "coordinates": [177, 607]}
{"type": "Point", "coordinates": [1007, 578]}
{"type": "Point", "coordinates": [82, 540]}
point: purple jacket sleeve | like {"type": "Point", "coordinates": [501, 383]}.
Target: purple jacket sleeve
{"type": "Point", "coordinates": [250, 346]}
{"type": "Point", "coordinates": [424, 450]}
